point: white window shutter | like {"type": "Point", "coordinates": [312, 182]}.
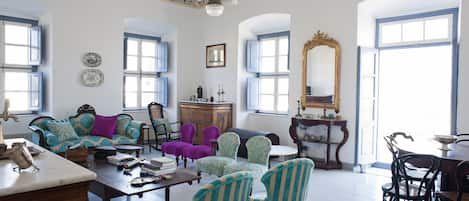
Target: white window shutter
{"type": "Point", "coordinates": [36, 91]}
{"type": "Point", "coordinates": [162, 97]}
{"type": "Point", "coordinates": [35, 46]}
{"type": "Point", "coordinates": [252, 56]}
{"type": "Point", "coordinates": [162, 62]}
{"type": "Point", "coordinates": [253, 94]}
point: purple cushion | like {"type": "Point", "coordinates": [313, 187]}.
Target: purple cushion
{"type": "Point", "coordinates": [197, 151]}
{"type": "Point", "coordinates": [174, 147]}
{"type": "Point", "coordinates": [104, 126]}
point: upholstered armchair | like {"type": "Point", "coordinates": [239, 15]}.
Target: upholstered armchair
{"type": "Point", "coordinates": [287, 181]}
{"type": "Point", "coordinates": [162, 127]}
{"type": "Point", "coordinates": [176, 147]}
{"type": "Point", "coordinates": [210, 135]}
{"type": "Point", "coordinates": [258, 158]}
{"type": "Point", "coordinates": [228, 144]}
{"type": "Point", "coordinates": [235, 187]}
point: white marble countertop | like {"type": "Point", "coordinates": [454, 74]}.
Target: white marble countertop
{"type": "Point", "coordinates": [208, 103]}
{"type": "Point", "coordinates": [54, 171]}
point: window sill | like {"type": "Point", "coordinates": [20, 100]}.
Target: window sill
{"type": "Point", "coordinates": [263, 114]}
{"type": "Point", "coordinates": [135, 110]}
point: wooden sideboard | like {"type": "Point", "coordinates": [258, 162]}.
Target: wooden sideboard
{"type": "Point", "coordinates": [206, 114]}
{"type": "Point", "coordinates": [325, 163]}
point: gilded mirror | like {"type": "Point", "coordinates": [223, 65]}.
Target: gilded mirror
{"type": "Point", "coordinates": [321, 72]}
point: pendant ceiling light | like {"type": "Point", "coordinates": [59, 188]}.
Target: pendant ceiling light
{"type": "Point", "coordinates": [214, 8]}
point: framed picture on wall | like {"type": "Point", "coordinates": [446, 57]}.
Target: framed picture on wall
{"type": "Point", "coordinates": [216, 56]}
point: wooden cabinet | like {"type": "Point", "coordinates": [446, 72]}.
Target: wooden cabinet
{"type": "Point", "coordinates": [206, 114]}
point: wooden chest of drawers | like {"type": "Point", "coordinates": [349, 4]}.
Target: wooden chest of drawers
{"type": "Point", "coordinates": [206, 114]}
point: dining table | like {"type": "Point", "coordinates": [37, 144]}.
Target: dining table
{"type": "Point", "coordinates": [450, 157]}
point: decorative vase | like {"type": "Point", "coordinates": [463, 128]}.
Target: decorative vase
{"type": "Point", "coordinates": [1, 133]}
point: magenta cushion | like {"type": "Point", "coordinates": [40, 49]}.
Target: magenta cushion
{"type": "Point", "coordinates": [104, 126]}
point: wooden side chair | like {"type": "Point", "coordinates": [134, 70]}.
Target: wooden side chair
{"type": "Point", "coordinates": [163, 129]}
{"type": "Point", "coordinates": [462, 172]}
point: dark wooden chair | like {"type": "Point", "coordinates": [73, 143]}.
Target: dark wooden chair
{"type": "Point", "coordinates": [163, 129]}
{"type": "Point", "coordinates": [462, 173]}
{"type": "Point", "coordinates": [404, 186]}
{"type": "Point", "coordinates": [462, 137]}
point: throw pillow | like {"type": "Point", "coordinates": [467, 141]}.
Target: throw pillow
{"type": "Point", "coordinates": [62, 129]}
{"type": "Point", "coordinates": [104, 126]}
{"type": "Point", "coordinates": [122, 124]}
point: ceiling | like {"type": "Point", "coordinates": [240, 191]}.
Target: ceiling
{"type": "Point", "coordinates": [389, 8]}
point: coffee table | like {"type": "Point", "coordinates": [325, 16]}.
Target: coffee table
{"type": "Point", "coordinates": [282, 151]}
{"type": "Point", "coordinates": [111, 182]}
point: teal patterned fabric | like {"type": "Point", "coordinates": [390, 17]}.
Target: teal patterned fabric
{"type": "Point", "coordinates": [233, 187]}
{"type": "Point", "coordinates": [41, 122]}
{"type": "Point", "coordinates": [228, 144]}
{"type": "Point", "coordinates": [92, 141]}
{"type": "Point", "coordinates": [160, 129]}
{"type": "Point", "coordinates": [288, 180]}
{"type": "Point", "coordinates": [51, 138]}
{"type": "Point", "coordinates": [63, 129]}
{"type": "Point", "coordinates": [133, 130]}
{"type": "Point", "coordinates": [258, 157]}
{"type": "Point", "coordinates": [123, 122]}
{"type": "Point", "coordinates": [83, 123]}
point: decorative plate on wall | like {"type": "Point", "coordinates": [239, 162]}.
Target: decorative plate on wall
{"type": "Point", "coordinates": [92, 77]}
{"type": "Point", "coordinates": [91, 59]}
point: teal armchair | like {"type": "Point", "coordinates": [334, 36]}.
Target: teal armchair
{"type": "Point", "coordinates": [258, 157]}
{"type": "Point", "coordinates": [288, 180]}
{"type": "Point", "coordinates": [232, 187]}
{"type": "Point", "coordinates": [228, 144]}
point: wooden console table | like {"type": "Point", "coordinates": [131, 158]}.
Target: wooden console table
{"type": "Point", "coordinates": [325, 163]}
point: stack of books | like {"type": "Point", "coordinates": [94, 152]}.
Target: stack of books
{"type": "Point", "coordinates": [120, 159]}
{"type": "Point", "coordinates": [159, 166]}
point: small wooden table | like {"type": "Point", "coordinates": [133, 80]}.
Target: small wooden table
{"type": "Point", "coordinates": [281, 151]}
{"type": "Point", "coordinates": [112, 182]}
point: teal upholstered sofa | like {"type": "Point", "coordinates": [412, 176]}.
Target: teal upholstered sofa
{"type": "Point", "coordinates": [128, 131]}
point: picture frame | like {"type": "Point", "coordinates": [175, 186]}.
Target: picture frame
{"type": "Point", "coordinates": [216, 56]}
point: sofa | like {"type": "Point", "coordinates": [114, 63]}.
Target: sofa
{"type": "Point", "coordinates": [128, 131]}
{"type": "Point", "coordinates": [244, 136]}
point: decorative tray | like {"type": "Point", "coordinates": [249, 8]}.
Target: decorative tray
{"type": "Point", "coordinates": [32, 150]}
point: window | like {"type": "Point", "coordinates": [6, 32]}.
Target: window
{"type": "Point", "coordinates": [21, 47]}
{"type": "Point", "coordinates": [268, 57]}
{"type": "Point", "coordinates": [424, 30]}
{"type": "Point", "coordinates": [145, 59]}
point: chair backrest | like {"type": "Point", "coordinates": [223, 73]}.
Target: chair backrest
{"type": "Point", "coordinates": [210, 133]}
{"type": "Point", "coordinates": [258, 150]}
{"type": "Point", "coordinates": [402, 180]}
{"type": "Point", "coordinates": [187, 132]}
{"type": "Point", "coordinates": [391, 142]}
{"type": "Point", "coordinates": [231, 187]}
{"type": "Point", "coordinates": [155, 110]}
{"type": "Point", "coordinates": [462, 172]}
{"type": "Point", "coordinates": [288, 180]}
{"type": "Point", "coordinates": [228, 144]}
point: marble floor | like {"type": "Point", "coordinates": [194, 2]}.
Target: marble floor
{"type": "Point", "coordinates": [335, 185]}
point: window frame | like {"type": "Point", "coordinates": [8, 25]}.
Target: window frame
{"type": "Point", "coordinates": [277, 74]}
{"type": "Point", "coordinates": [27, 68]}
{"type": "Point", "coordinates": [139, 73]}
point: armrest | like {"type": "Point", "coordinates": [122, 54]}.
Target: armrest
{"type": "Point", "coordinates": [135, 130]}
{"type": "Point", "coordinates": [46, 138]}
{"type": "Point", "coordinates": [462, 134]}
{"type": "Point", "coordinates": [40, 133]}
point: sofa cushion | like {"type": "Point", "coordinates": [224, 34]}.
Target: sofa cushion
{"type": "Point", "coordinates": [122, 124]}
{"type": "Point", "coordinates": [63, 146]}
{"type": "Point", "coordinates": [104, 126]}
{"type": "Point", "coordinates": [257, 170]}
{"type": "Point", "coordinates": [91, 141]}
{"type": "Point", "coordinates": [83, 123]}
{"type": "Point", "coordinates": [213, 164]}
{"type": "Point", "coordinates": [62, 129]}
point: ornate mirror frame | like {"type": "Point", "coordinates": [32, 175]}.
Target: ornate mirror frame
{"type": "Point", "coordinates": [321, 39]}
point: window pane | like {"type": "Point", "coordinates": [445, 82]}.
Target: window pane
{"type": "Point", "coordinates": [149, 49]}
{"type": "Point", "coordinates": [283, 46]}
{"type": "Point", "coordinates": [283, 64]}
{"type": "Point", "coordinates": [283, 85]}
{"type": "Point", "coordinates": [16, 81]}
{"type": "Point", "coordinates": [391, 33]}
{"type": "Point", "coordinates": [268, 48]}
{"type": "Point", "coordinates": [130, 99]}
{"type": "Point", "coordinates": [18, 100]}
{"type": "Point", "coordinates": [148, 84]}
{"type": "Point", "coordinates": [437, 29]}
{"type": "Point", "coordinates": [267, 65]}
{"type": "Point", "coordinates": [412, 31]}
{"type": "Point", "coordinates": [131, 84]}
{"type": "Point", "coordinates": [148, 64]}
{"type": "Point", "coordinates": [132, 63]}
{"type": "Point", "coordinates": [132, 47]}
{"type": "Point", "coordinates": [282, 103]}
{"type": "Point", "coordinates": [267, 86]}
{"type": "Point", "coordinates": [148, 98]}
{"type": "Point", "coordinates": [15, 34]}
{"type": "Point", "coordinates": [16, 55]}
{"type": "Point", "coordinates": [267, 103]}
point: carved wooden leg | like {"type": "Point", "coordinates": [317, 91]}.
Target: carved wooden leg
{"type": "Point", "coordinates": [198, 174]}
{"type": "Point", "coordinates": [185, 162]}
